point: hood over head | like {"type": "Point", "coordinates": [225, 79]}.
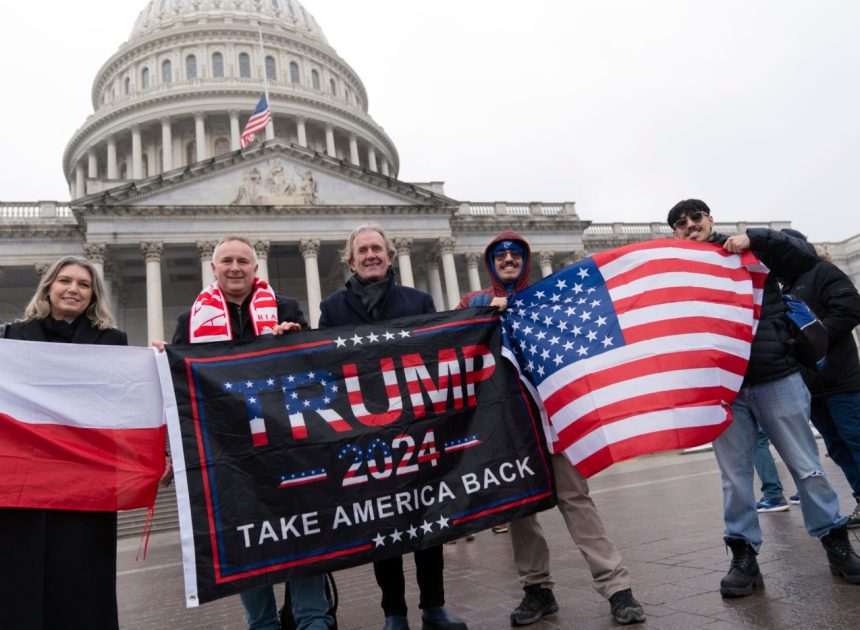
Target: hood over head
{"type": "Point", "coordinates": [522, 281]}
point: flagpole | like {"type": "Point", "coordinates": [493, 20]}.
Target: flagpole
{"type": "Point", "coordinates": [271, 124]}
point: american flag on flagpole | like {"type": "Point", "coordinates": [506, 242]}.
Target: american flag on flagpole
{"type": "Point", "coordinates": [637, 350]}
{"type": "Point", "coordinates": [257, 122]}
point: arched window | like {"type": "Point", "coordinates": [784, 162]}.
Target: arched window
{"type": "Point", "coordinates": [294, 72]}
{"type": "Point", "coordinates": [270, 68]}
{"type": "Point", "coordinates": [127, 85]}
{"type": "Point", "coordinates": [244, 65]}
{"type": "Point", "coordinates": [315, 79]}
{"type": "Point", "coordinates": [332, 87]}
{"type": "Point", "coordinates": [191, 67]}
{"type": "Point", "coordinates": [222, 145]}
{"type": "Point", "coordinates": [144, 162]}
{"type": "Point", "coordinates": [144, 78]}
{"type": "Point", "coordinates": [123, 170]}
{"type": "Point", "coordinates": [217, 64]}
{"type": "Point", "coordinates": [191, 152]}
{"type": "Point", "coordinates": [166, 72]}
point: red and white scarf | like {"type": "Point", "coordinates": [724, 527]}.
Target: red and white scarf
{"type": "Point", "coordinates": [210, 317]}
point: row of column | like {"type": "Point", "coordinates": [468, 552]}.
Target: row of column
{"type": "Point", "coordinates": [89, 168]}
{"type": "Point", "coordinates": [153, 251]}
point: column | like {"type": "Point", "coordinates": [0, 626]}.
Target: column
{"type": "Point", "coordinates": [234, 130]}
{"type": "Point", "coordinates": [385, 167]}
{"type": "Point", "coordinates": [150, 159]}
{"type": "Point", "coordinates": [154, 312]}
{"type": "Point", "coordinates": [206, 249]}
{"type": "Point", "coordinates": [472, 261]}
{"type": "Point", "coordinates": [270, 127]}
{"type": "Point", "coordinates": [371, 159]}
{"type": "Point", "coordinates": [136, 154]}
{"type": "Point", "coordinates": [262, 250]}
{"type": "Point", "coordinates": [200, 136]}
{"type": "Point", "coordinates": [310, 248]}
{"type": "Point", "coordinates": [301, 132]}
{"type": "Point", "coordinates": [92, 164]}
{"type": "Point", "coordinates": [404, 262]}
{"type": "Point", "coordinates": [435, 281]}
{"type": "Point", "coordinates": [329, 141]}
{"type": "Point", "coordinates": [80, 180]}
{"type": "Point", "coordinates": [108, 275]}
{"type": "Point", "coordinates": [96, 254]}
{"type": "Point", "coordinates": [353, 150]}
{"type": "Point", "coordinates": [166, 146]}
{"type": "Point", "coordinates": [111, 158]}
{"type": "Point", "coordinates": [452, 288]}
{"type": "Point", "coordinates": [545, 262]}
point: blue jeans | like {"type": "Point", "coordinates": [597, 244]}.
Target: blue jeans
{"type": "Point", "coordinates": [771, 487]}
{"type": "Point", "coordinates": [780, 407]}
{"type": "Point", "coordinates": [310, 605]}
{"type": "Point", "coordinates": [837, 418]}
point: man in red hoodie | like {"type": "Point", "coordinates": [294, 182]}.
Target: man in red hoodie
{"type": "Point", "coordinates": [508, 262]}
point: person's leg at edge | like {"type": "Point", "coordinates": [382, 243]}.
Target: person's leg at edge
{"type": "Point", "coordinates": [261, 610]}
{"type": "Point", "coordinates": [781, 407]}
{"type": "Point", "coordinates": [843, 412]}
{"type": "Point", "coordinates": [389, 577]}
{"type": "Point", "coordinates": [429, 564]}
{"type": "Point", "coordinates": [765, 466]}
{"type": "Point", "coordinates": [310, 605]}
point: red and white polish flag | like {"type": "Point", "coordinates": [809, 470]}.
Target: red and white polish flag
{"type": "Point", "coordinates": [81, 426]}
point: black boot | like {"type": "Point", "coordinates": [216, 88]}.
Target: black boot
{"type": "Point", "coordinates": [537, 602]}
{"type": "Point", "coordinates": [843, 561]}
{"type": "Point", "coordinates": [744, 574]}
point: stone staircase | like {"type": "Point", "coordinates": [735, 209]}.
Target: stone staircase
{"type": "Point", "coordinates": [131, 522]}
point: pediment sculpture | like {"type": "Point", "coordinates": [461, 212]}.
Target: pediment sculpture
{"type": "Point", "coordinates": [276, 187]}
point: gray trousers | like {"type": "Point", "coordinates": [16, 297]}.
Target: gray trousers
{"type": "Point", "coordinates": [531, 553]}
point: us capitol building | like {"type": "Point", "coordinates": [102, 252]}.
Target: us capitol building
{"type": "Point", "coordinates": [156, 176]}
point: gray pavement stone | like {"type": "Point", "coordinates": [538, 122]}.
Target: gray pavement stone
{"type": "Point", "coordinates": [664, 513]}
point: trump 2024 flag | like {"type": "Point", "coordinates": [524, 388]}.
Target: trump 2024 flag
{"type": "Point", "coordinates": [81, 426]}
{"type": "Point", "coordinates": [637, 350]}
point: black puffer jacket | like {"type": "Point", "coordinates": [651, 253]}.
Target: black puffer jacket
{"type": "Point", "coordinates": [834, 298]}
{"type": "Point", "coordinates": [772, 355]}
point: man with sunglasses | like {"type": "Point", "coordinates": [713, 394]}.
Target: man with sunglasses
{"type": "Point", "coordinates": [508, 262]}
{"type": "Point", "coordinates": [774, 397]}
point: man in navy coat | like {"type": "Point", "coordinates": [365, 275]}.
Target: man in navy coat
{"type": "Point", "coordinates": [372, 295]}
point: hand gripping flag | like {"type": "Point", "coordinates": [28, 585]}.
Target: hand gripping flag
{"type": "Point", "coordinates": [257, 122]}
{"type": "Point", "coordinates": [81, 426]}
{"type": "Point", "coordinates": [637, 350]}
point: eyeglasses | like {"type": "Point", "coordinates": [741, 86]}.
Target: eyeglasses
{"type": "Point", "coordinates": [500, 256]}
{"type": "Point", "coordinates": [693, 217]}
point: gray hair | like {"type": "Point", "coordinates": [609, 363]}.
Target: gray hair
{"type": "Point", "coordinates": [98, 312]}
{"type": "Point", "coordinates": [346, 252]}
{"type": "Point", "coordinates": [233, 237]}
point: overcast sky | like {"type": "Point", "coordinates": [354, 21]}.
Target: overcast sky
{"type": "Point", "coordinates": [622, 107]}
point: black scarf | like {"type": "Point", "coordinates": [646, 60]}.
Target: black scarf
{"type": "Point", "coordinates": [58, 330]}
{"type": "Point", "coordinates": [373, 295]}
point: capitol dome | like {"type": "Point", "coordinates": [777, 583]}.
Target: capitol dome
{"type": "Point", "coordinates": [181, 88]}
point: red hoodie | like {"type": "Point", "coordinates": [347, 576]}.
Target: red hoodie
{"type": "Point", "coordinates": [498, 288]}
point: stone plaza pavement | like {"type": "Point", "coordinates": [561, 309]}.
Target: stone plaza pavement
{"type": "Point", "coordinates": [663, 512]}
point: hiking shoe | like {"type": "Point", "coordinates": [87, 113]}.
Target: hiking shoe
{"type": "Point", "coordinates": [844, 562]}
{"type": "Point", "coordinates": [794, 499]}
{"type": "Point", "coordinates": [772, 505]}
{"type": "Point", "coordinates": [854, 519]}
{"type": "Point", "coordinates": [625, 608]}
{"type": "Point", "coordinates": [538, 602]}
{"type": "Point", "coordinates": [744, 574]}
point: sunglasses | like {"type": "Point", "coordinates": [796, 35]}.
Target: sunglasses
{"type": "Point", "coordinates": [693, 217]}
{"type": "Point", "coordinates": [500, 256]}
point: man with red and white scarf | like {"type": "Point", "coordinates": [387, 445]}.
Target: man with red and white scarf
{"type": "Point", "coordinates": [241, 306]}
{"type": "Point", "coordinates": [508, 262]}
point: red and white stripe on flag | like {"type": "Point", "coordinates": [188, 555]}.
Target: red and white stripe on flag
{"type": "Point", "coordinates": [261, 117]}
{"type": "Point", "coordinates": [81, 426]}
{"type": "Point", "coordinates": [658, 338]}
